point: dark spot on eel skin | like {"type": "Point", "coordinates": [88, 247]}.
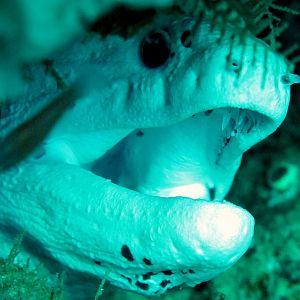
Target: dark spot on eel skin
{"type": "Point", "coordinates": [97, 262]}
{"type": "Point", "coordinates": [183, 272]}
{"type": "Point", "coordinates": [148, 275]}
{"type": "Point", "coordinates": [192, 271]}
{"type": "Point", "coordinates": [143, 286]}
{"type": "Point", "coordinates": [40, 153]}
{"type": "Point", "coordinates": [139, 133]}
{"type": "Point", "coordinates": [227, 141]}
{"type": "Point", "coordinates": [167, 272]}
{"type": "Point", "coordinates": [164, 283]}
{"type": "Point", "coordinates": [208, 112]}
{"type": "Point", "coordinates": [129, 279]}
{"type": "Point", "coordinates": [147, 261]}
{"type": "Point", "coordinates": [212, 193]}
{"type": "Point", "coordinates": [125, 251]}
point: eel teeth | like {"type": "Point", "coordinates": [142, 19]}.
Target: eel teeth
{"type": "Point", "coordinates": [237, 121]}
{"type": "Point", "coordinates": [247, 125]}
{"type": "Point", "coordinates": [226, 120]}
{"type": "Point", "coordinates": [241, 117]}
{"type": "Point", "coordinates": [229, 123]}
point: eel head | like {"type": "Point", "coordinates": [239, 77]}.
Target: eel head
{"type": "Point", "coordinates": [131, 181]}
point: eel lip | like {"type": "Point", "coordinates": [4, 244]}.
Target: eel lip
{"type": "Point", "coordinates": [227, 232]}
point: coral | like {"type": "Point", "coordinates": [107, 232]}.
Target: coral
{"type": "Point", "coordinates": [282, 178]}
{"type": "Point", "coordinates": [19, 282]}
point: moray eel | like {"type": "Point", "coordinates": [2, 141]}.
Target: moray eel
{"type": "Point", "coordinates": [131, 181]}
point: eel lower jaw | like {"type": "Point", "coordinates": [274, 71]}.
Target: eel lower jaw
{"type": "Point", "coordinates": [147, 244]}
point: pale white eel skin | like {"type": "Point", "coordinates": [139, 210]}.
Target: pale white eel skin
{"type": "Point", "coordinates": [133, 178]}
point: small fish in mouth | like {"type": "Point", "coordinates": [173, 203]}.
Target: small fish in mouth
{"type": "Point", "coordinates": [132, 178]}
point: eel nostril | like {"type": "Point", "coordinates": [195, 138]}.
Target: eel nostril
{"type": "Point", "coordinates": [285, 79]}
{"type": "Point", "coordinates": [234, 65]}
{"type": "Point", "coordinates": [290, 79]}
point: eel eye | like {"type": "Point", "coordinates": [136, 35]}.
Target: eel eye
{"type": "Point", "coordinates": [155, 49]}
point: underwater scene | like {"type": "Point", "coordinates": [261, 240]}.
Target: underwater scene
{"type": "Point", "coordinates": [149, 150]}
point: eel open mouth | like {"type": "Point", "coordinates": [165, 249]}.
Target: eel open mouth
{"type": "Point", "coordinates": [195, 158]}
{"type": "Point", "coordinates": [152, 243]}
{"type": "Point", "coordinates": [131, 211]}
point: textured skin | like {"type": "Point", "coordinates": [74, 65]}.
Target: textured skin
{"type": "Point", "coordinates": [84, 224]}
{"type": "Point", "coordinates": [175, 234]}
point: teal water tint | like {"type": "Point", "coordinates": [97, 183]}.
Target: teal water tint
{"type": "Point", "coordinates": [123, 189]}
